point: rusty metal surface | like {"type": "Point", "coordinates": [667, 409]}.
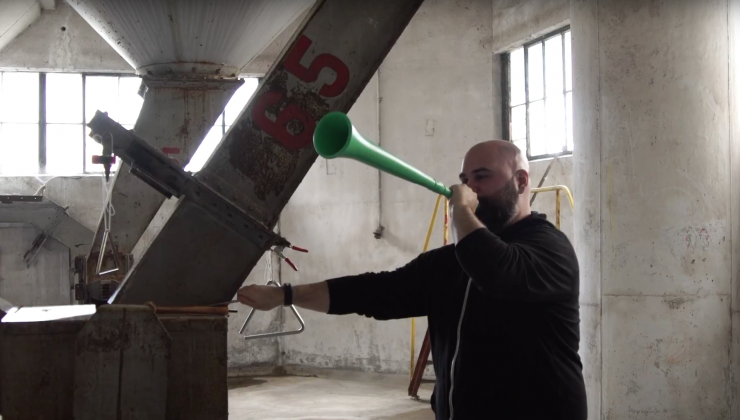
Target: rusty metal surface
{"type": "Point", "coordinates": [190, 36]}
{"type": "Point", "coordinates": [198, 387]}
{"type": "Point", "coordinates": [37, 369]}
{"type": "Point", "coordinates": [38, 362]}
{"type": "Point", "coordinates": [121, 367]}
{"type": "Point", "coordinates": [205, 248]}
{"type": "Point", "coordinates": [268, 151]}
{"type": "Point", "coordinates": [176, 115]}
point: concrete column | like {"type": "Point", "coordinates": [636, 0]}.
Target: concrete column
{"type": "Point", "coordinates": [653, 76]}
{"type": "Point", "coordinates": [587, 186]}
{"type": "Point", "coordinates": [734, 156]}
{"type": "Point", "coordinates": [175, 117]}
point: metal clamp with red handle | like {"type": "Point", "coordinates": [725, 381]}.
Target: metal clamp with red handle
{"type": "Point", "coordinates": [278, 250]}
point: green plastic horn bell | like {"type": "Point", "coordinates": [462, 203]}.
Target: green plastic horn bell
{"type": "Point", "coordinates": [336, 137]}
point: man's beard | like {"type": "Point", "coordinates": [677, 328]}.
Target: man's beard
{"type": "Point", "coordinates": [500, 211]}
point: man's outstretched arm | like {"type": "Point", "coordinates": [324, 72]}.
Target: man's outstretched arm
{"type": "Point", "coordinates": [402, 293]}
{"type": "Point", "coordinates": [314, 296]}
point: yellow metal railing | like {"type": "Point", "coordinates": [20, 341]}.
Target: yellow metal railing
{"type": "Point", "coordinates": [557, 189]}
{"type": "Point", "coordinates": [426, 247]}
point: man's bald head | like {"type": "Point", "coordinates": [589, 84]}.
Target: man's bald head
{"type": "Point", "coordinates": [498, 172]}
{"type": "Point", "coordinates": [501, 150]}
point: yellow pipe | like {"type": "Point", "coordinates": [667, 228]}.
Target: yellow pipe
{"type": "Point", "coordinates": [557, 188]}
{"type": "Point", "coordinates": [447, 220]}
{"type": "Point", "coordinates": [557, 209]}
{"type": "Point", "coordinates": [413, 320]}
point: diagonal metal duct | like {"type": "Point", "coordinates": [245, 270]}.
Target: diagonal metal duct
{"type": "Point", "coordinates": [189, 53]}
{"type": "Point", "coordinates": [198, 257]}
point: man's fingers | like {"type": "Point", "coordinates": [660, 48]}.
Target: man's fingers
{"type": "Point", "coordinates": [243, 295]}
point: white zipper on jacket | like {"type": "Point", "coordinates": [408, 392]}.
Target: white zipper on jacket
{"type": "Point", "coordinates": [457, 348]}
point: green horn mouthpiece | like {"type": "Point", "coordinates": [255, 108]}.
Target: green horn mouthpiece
{"type": "Point", "coordinates": [335, 136]}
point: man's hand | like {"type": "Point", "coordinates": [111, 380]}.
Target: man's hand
{"type": "Point", "coordinates": [462, 195]}
{"type": "Point", "coordinates": [463, 204]}
{"type": "Point", "coordinates": [262, 298]}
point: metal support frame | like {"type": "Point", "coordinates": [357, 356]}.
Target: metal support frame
{"type": "Point", "coordinates": [38, 211]}
{"type": "Point", "coordinates": [176, 116]}
{"type": "Point", "coordinates": [44, 235]}
{"type": "Point", "coordinates": [10, 199]}
{"type": "Point", "coordinates": [263, 158]}
{"type": "Point", "coordinates": [168, 178]}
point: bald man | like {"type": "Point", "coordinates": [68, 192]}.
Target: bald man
{"type": "Point", "coordinates": [502, 302]}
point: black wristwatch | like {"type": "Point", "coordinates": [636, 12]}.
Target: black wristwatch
{"type": "Point", "coordinates": [288, 294]}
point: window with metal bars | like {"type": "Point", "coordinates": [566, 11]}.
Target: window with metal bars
{"type": "Point", "coordinates": [537, 87]}
{"type": "Point", "coordinates": [43, 119]}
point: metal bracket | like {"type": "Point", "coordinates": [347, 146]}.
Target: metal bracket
{"type": "Point", "coordinates": [10, 199]}
{"type": "Point", "coordinates": [164, 175]}
{"type": "Point", "coordinates": [272, 334]}
{"type": "Point", "coordinates": [43, 236]}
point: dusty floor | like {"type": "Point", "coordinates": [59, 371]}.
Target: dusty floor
{"type": "Point", "coordinates": [293, 398]}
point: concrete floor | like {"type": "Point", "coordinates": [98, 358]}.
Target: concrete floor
{"type": "Point", "coordinates": [306, 398]}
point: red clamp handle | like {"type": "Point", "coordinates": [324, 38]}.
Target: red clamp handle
{"type": "Point", "coordinates": [101, 160]}
{"type": "Point", "coordinates": [290, 263]}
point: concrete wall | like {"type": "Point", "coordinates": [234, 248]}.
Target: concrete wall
{"type": "Point", "coordinates": [60, 40]}
{"type": "Point", "coordinates": [734, 158]}
{"type": "Point", "coordinates": [654, 144]}
{"type": "Point", "coordinates": [15, 17]}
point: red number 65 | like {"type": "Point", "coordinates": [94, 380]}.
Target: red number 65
{"type": "Point", "coordinates": [278, 129]}
{"type": "Point", "coordinates": [310, 74]}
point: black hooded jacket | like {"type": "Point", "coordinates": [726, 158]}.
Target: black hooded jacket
{"type": "Point", "coordinates": [503, 308]}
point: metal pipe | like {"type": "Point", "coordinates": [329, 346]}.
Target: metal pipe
{"type": "Point", "coordinates": [426, 246]}
{"type": "Point", "coordinates": [557, 209]}
{"type": "Point", "coordinates": [558, 189]}
{"type": "Point", "coordinates": [555, 188]}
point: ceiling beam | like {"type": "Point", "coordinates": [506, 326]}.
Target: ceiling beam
{"type": "Point", "coordinates": [15, 17]}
